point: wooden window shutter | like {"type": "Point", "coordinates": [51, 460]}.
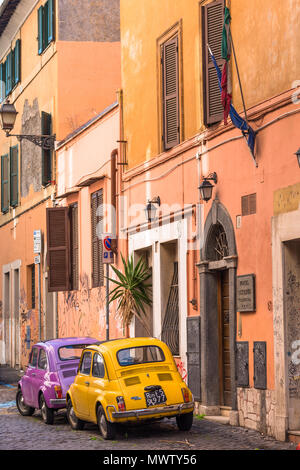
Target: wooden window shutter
{"type": "Point", "coordinates": [4, 184]}
{"type": "Point", "coordinates": [46, 154]}
{"type": "Point", "coordinates": [249, 204]}
{"type": "Point", "coordinates": [58, 241]}
{"type": "Point", "coordinates": [170, 71]}
{"type": "Point", "coordinates": [3, 81]}
{"type": "Point", "coordinates": [40, 29]}
{"type": "Point", "coordinates": [17, 62]}
{"type": "Point", "coordinates": [97, 218]}
{"type": "Point", "coordinates": [8, 80]}
{"type": "Point", "coordinates": [74, 247]}
{"type": "Point", "coordinates": [14, 179]}
{"type": "Point", "coordinates": [51, 21]}
{"type": "Point", "coordinates": [212, 28]}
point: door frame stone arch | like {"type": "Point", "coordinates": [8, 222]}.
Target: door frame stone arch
{"type": "Point", "coordinates": [208, 272]}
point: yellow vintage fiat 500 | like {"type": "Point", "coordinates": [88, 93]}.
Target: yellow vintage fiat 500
{"type": "Point", "coordinates": [123, 380]}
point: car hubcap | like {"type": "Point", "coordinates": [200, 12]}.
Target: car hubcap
{"type": "Point", "coordinates": [21, 403]}
{"type": "Point", "coordinates": [72, 416]}
{"type": "Point", "coordinates": [103, 425]}
{"type": "Point", "coordinates": [43, 409]}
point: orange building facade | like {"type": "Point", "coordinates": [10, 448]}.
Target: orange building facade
{"type": "Point", "coordinates": [59, 73]}
{"type": "Point", "coordinates": [224, 273]}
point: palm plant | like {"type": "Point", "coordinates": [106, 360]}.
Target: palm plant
{"type": "Point", "coordinates": [132, 292]}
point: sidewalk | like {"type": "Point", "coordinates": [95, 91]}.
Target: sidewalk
{"type": "Point", "coordinates": [9, 375]}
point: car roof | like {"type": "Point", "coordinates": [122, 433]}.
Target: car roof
{"type": "Point", "coordinates": [116, 344]}
{"type": "Point", "coordinates": [59, 342]}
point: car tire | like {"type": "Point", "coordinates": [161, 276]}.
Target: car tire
{"type": "Point", "coordinates": [24, 409]}
{"type": "Point", "coordinates": [185, 421]}
{"type": "Point", "coordinates": [75, 423]}
{"type": "Point", "coordinates": [47, 413]}
{"type": "Point", "coordinates": [107, 429]}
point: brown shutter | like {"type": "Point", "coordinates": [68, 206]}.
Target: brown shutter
{"type": "Point", "coordinates": [74, 247]}
{"type": "Point", "coordinates": [58, 240]}
{"type": "Point", "coordinates": [170, 93]}
{"type": "Point", "coordinates": [212, 27]}
{"type": "Point", "coordinates": [97, 217]}
{"type": "Point", "coordinates": [249, 204]}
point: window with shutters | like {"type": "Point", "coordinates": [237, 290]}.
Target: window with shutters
{"type": "Point", "coordinates": [31, 286]}
{"type": "Point", "coordinates": [97, 229]}
{"type": "Point", "coordinates": [46, 154]}
{"type": "Point", "coordinates": [212, 27]}
{"type": "Point", "coordinates": [46, 25]}
{"type": "Point", "coordinates": [170, 99]}
{"type": "Point", "coordinates": [248, 204]}
{"type": "Point", "coordinates": [14, 179]}
{"type": "Point", "coordinates": [10, 71]}
{"type": "Point", "coordinates": [4, 183]}
{"type": "Point", "coordinates": [74, 247]}
{"type": "Point", "coordinates": [58, 248]}
{"type": "Point", "coordinates": [169, 55]}
{"type": "Point", "coordinates": [63, 248]}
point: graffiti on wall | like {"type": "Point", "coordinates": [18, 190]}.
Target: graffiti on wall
{"type": "Point", "coordinates": [293, 331]}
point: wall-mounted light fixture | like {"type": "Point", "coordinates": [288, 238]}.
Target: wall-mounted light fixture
{"type": "Point", "coordinates": [8, 116]}
{"type": "Point", "coordinates": [150, 209]}
{"type": "Point", "coordinates": [206, 187]}
{"type": "Point", "coordinates": [298, 156]}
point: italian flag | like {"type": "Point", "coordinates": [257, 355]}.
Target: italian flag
{"type": "Point", "coordinates": [226, 82]}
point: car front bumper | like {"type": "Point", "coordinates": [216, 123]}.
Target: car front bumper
{"type": "Point", "coordinates": [162, 410]}
{"type": "Point", "coordinates": [58, 402]}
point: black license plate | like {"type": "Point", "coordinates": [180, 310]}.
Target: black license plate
{"type": "Point", "coordinates": [155, 397]}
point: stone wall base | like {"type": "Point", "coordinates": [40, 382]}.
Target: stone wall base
{"type": "Point", "coordinates": [257, 410]}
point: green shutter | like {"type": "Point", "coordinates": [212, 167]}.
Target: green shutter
{"type": "Point", "coordinates": [17, 62]}
{"type": "Point", "coordinates": [8, 70]}
{"type": "Point", "coordinates": [51, 20]}
{"type": "Point", "coordinates": [46, 154]}
{"type": "Point", "coordinates": [14, 180]}
{"type": "Point", "coordinates": [2, 81]}
{"type": "Point", "coordinates": [40, 29]}
{"type": "Point", "coordinates": [4, 184]}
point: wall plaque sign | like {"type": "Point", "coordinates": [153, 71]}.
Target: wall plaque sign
{"type": "Point", "coordinates": [245, 287]}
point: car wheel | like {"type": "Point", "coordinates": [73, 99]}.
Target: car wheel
{"type": "Point", "coordinates": [185, 421]}
{"type": "Point", "coordinates": [107, 429]}
{"type": "Point", "coordinates": [24, 409]}
{"type": "Point", "coordinates": [75, 423]}
{"type": "Point", "coordinates": [47, 413]}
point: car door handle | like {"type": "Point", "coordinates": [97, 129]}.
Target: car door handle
{"type": "Point", "coordinates": [87, 383]}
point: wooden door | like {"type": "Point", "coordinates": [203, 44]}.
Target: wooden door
{"type": "Point", "coordinates": [224, 343]}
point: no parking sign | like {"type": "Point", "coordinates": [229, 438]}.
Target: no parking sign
{"type": "Point", "coordinates": [108, 255]}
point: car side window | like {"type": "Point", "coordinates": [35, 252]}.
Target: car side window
{"type": "Point", "coordinates": [98, 369]}
{"type": "Point", "coordinates": [85, 365]}
{"type": "Point", "coordinates": [33, 357]}
{"type": "Point", "coordinates": [42, 362]}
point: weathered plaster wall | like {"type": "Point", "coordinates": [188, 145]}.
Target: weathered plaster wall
{"type": "Point", "coordinates": [89, 20]}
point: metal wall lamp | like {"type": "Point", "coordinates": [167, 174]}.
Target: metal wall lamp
{"type": "Point", "coordinates": [150, 209]}
{"type": "Point", "coordinates": [8, 116]}
{"type": "Point", "coordinates": [206, 187]}
{"type": "Point", "coordinates": [298, 156]}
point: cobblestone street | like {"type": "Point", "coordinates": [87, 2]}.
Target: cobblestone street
{"type": "Point", "coordinates": [30, 433]}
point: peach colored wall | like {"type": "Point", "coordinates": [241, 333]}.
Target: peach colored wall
{"type": "Point", "coordinates": [84, 311]}
{"type": "Point", "coordinates": [89, 77]}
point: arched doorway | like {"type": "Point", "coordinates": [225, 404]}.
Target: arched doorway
{"type": "Point", "coordinates": [217, 270]}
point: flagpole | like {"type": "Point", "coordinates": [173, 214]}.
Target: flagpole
{"type": "Point", "coordinates": [238, 74]}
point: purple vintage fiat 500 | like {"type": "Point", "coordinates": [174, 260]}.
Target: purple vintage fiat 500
{"type": "Point", "coordinates": [52, 368]}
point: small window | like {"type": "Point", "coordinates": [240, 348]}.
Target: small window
{"type": "Point", "coordinates": [85, 365]}
{"type": "Point", "coordinates": [46, 25]}
{"type": "Point", "coordinates": [98, 366]}
{"type": "Point", "coordinates": [42, 363]}
{"type": "Point", "coordinates": [140, 355]}
{"type": "Point", "coordinates": [31, 286]}
{"type": "Point", "coordinates": [33, 357]}
{"type": "Point", "coordinates": [71, 352]}
{"type": "Point", "coordinates": [97, 228]}
{"type": "Point", "coordinates": [249, 204]}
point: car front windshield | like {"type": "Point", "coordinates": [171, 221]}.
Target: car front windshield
{"type": "Point", "coordinates": [140, 355]}
{"type": "Point", "coordinates": [71, 352]}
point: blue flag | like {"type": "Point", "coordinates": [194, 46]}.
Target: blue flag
{"type": "Point", "coordinates": [236, 119]}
